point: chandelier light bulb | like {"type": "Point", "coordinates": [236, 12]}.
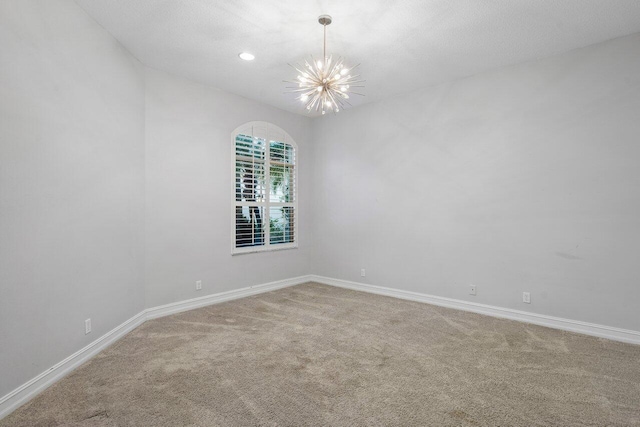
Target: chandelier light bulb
{"type": "Point", "coordinates": [323, 85]}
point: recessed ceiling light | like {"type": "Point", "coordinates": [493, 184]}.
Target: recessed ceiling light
{"type": "Point", "coordinates": [246, 56]}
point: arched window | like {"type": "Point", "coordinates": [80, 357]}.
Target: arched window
{"type": "Point", "coordinates": [265, 202]}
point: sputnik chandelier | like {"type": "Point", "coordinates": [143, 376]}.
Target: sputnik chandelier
{"type": "Point", "coordinates": [324, 85]}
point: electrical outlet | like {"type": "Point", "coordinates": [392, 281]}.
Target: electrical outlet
{"type": "Point", "coordinates": [472, 289]}
{"type": "Point", "coordinates": [362, 272]}
{"type": "Point", "coordinates": [199, 285]}
{"type": "Point", "coordinates": [526, 297]}
{"type": "Point", "coordinates": [87, 326]}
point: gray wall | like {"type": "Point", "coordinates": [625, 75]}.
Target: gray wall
{"type": "Point", "coordinates": [188, 192]}
{"type": "Point", "coordinates": [526, 178]}
{"type": "Point", "coordinates": [71, 185]}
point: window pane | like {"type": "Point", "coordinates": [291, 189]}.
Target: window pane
{"type": "Point", "coordinates": [282, 188]}
{"type": "Point", "coordinates": [249, 226]}
{"type": "Point", "coordinates": [281, 225]}
{"type": "Point", "coordinates": [250, 182]}
{"type": "Point", "coordinates": [249, 147]}
{"type": "Point", "coordinates": [281, 152]}
{"type": "Point", "coordinates": [250, 185]}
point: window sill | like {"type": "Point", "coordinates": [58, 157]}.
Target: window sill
{"type": "Point", "coordinates": [270, 249]}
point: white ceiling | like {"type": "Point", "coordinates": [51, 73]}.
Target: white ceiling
{"type": "Point", "coordinates": [401, 45]}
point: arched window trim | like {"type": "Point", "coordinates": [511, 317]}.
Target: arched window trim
{"type": "Point", "coordinates": [267, 207]}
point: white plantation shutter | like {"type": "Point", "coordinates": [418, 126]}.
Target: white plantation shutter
{"type": "Point", "coordinates": [264, 197]}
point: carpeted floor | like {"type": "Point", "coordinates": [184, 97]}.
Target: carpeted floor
{"type": "Point", "coordinates": [314, 355]}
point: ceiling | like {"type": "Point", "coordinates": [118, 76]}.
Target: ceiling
{"type": "Point", "coordinates": [400, 45]}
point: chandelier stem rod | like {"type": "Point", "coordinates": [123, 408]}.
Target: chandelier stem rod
{"type": "Point", "coordinates": [324, 46]}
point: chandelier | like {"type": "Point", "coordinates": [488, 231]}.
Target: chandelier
{"type": "Point", "coordinates": [324, 85]}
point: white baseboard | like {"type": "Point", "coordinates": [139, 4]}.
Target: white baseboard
{"type": "Point", "coordinates": [33, 387]}
{"type": "Point", "coordinates": [177, 307]}
{"type": "Point", "coordinates": [592, 329]}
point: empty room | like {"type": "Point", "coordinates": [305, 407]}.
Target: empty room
{"type": "Point", "coordinates": [319, 213]}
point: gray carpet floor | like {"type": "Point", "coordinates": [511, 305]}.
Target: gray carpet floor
{"type": "Point", "coordinates": [314, 355]}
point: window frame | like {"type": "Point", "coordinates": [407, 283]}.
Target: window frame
{"type": "Point", "coordinates": [269, 132]}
